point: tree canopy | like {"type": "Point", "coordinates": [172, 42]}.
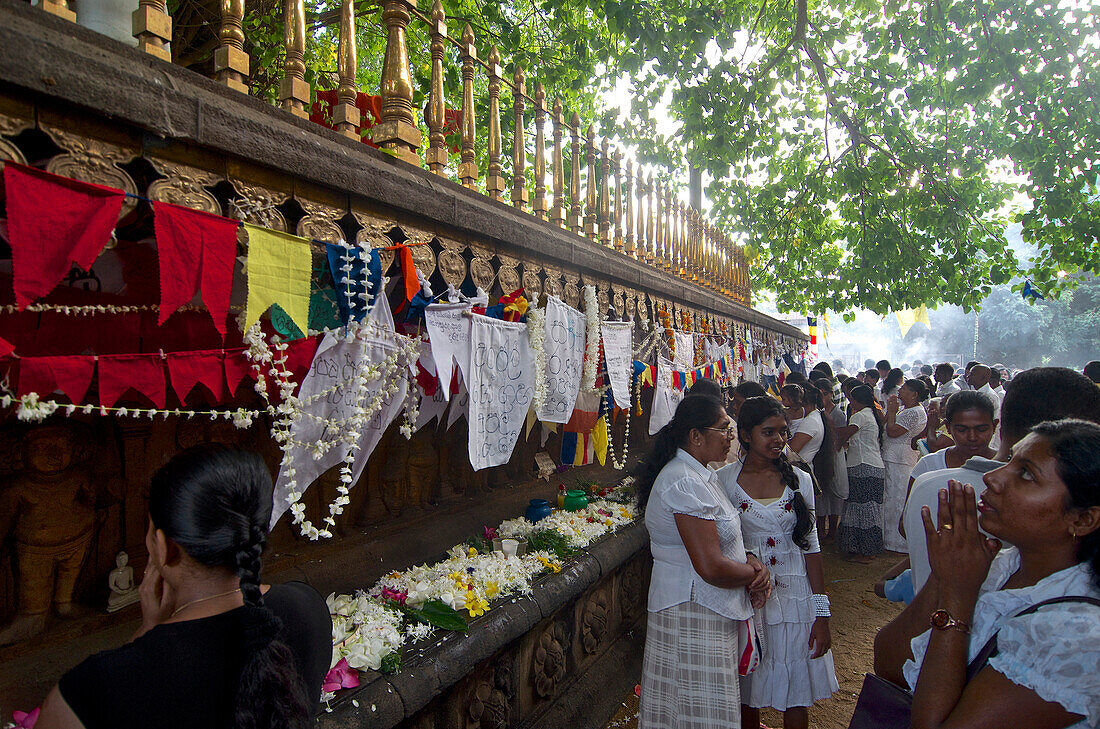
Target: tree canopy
{"type": "Point", "coordinates": [868, 154]}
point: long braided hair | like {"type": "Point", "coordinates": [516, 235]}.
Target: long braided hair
{"type": "Point", "coordinates": [754, 412]}
{"type": "Point", "coordinates": [215, 503]}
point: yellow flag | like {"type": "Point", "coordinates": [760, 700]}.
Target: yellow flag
{"type": "Point", "coordinates": [599, 439]}
{"type": "Point", "coordinates": [279, 266]}
{"type": "Point", "coordinates": [908, 317]}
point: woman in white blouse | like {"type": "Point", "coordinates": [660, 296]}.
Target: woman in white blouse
{"type": "Point", "coordinates": [860, 531]}
{"type": "Point", "coordinates": [905, 420]}
{"type": "Point", "coordinates": [1045, 672]}
{"type": "Point", "coordinates": [704, 585]}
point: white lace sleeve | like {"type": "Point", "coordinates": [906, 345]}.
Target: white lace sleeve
{"type": "Point", "coordinates": [806, 488]}
{"type": "Point", "coordinates": [1055, 652]}
{"type": "Point", "coordinates": [691, 496]}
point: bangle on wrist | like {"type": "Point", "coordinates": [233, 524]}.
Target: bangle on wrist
{"type": "Point", "coordinates": [821, 605]}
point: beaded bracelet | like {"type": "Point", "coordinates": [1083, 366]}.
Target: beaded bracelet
{"type": "Point", "coordinates": [821, 605]}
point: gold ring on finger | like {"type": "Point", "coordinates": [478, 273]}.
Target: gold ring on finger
{"type": "Point", "coordinates": [948, 527]}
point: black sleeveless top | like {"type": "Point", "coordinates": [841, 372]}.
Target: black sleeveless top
{"type": "Point", "coordinates": [186, 674]}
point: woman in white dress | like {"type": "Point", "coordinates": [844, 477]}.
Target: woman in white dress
{"type": "Point", "coordinates": [905, 420]}
{"type": "Point", "coordinates": [700, 612]}
{"type": "Point", "coordinates": [860, 530]}
{"type": "Point", "coordinates": [775, 502]}
{"type": "Point", "coordinates": [1043, 674]}
{"type": "Point", "coordinates": [834, 492]}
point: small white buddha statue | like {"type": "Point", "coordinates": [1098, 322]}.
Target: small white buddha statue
{"type": "Point", "coordinates": [121, 581]}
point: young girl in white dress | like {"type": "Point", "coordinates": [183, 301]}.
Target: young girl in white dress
{"type": "Point", "coordinates": [776, 501]}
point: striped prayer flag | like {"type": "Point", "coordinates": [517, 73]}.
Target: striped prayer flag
{"type": "Point", "coordinates": [577, 449]}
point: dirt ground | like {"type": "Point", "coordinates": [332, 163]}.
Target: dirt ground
{"type": "Point", "coordinates": [857, 615]}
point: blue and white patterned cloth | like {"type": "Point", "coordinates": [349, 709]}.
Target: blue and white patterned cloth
{"type": "Point", "coordinates": [1054, 651]}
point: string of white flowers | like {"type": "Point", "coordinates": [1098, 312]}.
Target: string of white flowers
{"type": "Point", "coordinates": [536, 333]}
{"type": "Point", "coordinates": [591, 339]}
{"type": "Point", "coordinates": [93, 309]}
{"type": "Point", "coordinates": [616, 463]}
{"type": "Point", "coordinates": [31, 408]}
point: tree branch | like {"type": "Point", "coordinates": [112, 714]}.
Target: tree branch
{"type": "Point", "coordinates": [797, 37]}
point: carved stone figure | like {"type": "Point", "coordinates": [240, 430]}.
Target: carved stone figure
{"type": "Point", "coordinates": [549, 661]}
{"type": "Point", "coordinates": [595, 621]}
{"type": "Point", "coordinates": [50, 509]}
{"type": "Point", "coordinates": [121, 583]}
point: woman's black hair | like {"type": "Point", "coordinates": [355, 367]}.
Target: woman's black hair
{"type": "Point", "coordinates": [1076, 447]}
{"type": "Point", "coordinates": [919, 388]}
{"type": "Point", "coordinates": [215, 503]}
{"type": "Point", "coordinates": [748, 389]}
{"type": "Point", "coordinates": [893, 381]}
{"type": "Point", "coordinates": [694, 411]}
{"type": "Point", "coordinates": [794, 392]}
{"type": "Point", "coordinates": [823, 366]}
{"type": "Point", "coordinates": [865, 396]}
{"type": "Point", "coordinates": [705, 386]}
{"type": "Point", "coordinates": [968, 400]}
{"type": "Point", "coordinates": [754, 412]}
{"type": "Point", "coordinates": [824, 465]}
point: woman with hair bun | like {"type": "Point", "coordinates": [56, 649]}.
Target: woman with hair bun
{"type": "Point", "coordinates": [860, 530]}
{"type": "Point", "coordinates": [776, 502]}
{"type": "Point", "coordinates": [905, 420]}
{"type": "Point", "coordinates": [704, 584]}
{"type": "Point", "coordinates": [216, 647]}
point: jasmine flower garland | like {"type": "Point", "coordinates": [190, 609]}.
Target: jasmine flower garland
{"type": "Point", "coordinates": [591, 339]}
{"type": "Point", "coordinates": [536, 333]}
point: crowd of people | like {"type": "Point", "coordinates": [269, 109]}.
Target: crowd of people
{"type": "Point", "coordinates": [985, 485]}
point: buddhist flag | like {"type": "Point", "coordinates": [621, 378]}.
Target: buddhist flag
{"type": "Point", "coordinates": [811, 323]}
{"type": "Point", "coordinates": [599, 439]}
{"type": "Point", "coordinates": [577, 449]}
{"type": "Point", "coordinates": [279, 267]}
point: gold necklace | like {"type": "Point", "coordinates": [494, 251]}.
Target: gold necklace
{"type": "Point", "coordinates": [201, 599]}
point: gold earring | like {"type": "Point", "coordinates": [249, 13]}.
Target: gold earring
{"type": "Point", "coordinates": [1074, 533]}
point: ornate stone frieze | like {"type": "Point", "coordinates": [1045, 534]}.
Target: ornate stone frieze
{"type": "Point", "coordinates": [184, 185]}
{"type": "Point", "coordinates": [258, 205]}
{"type": "Point", "coordinates": [319, 222]}
{"type": "Point", "coordinates": [548, 661]}
{"type": "Point", "coordinates": [508, 274]}
{"type": "Point", "coordinates": [91, 160]}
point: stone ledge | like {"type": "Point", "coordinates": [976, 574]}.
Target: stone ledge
{"type": "Point", "coordinates": [428, 672]}
{"type": "Point", "coordinates": [59, 62]}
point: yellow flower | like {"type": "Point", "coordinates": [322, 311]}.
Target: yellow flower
{"type": "Point", "coordinates": [475, 605]}
{"type": "Point", "coordinates": [492, 589]}
{"type": "Point", "coordinates": [471, 552]}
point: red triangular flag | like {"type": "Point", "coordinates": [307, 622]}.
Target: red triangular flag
{"type": "Point", "coordinates": [196, 251]}
{"type": "Point", "coordinates": [120, 372]}
{"type": "Point", "coordinates": [186, 369]}
{"type": "Point", "coordinates": [53, 223]}
{"type": "Point", "coordinates": [71, 374]}
{"type": "Point", "coordinates": [237, 367]}
{"type": "Point", "coordinates": [6, 347]}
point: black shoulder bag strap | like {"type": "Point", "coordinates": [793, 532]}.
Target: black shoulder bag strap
{"type": "Point", "coordinates": [990, 648]}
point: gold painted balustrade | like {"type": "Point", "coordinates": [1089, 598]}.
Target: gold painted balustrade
{"type": "Point", "coordinates": [597, 192]}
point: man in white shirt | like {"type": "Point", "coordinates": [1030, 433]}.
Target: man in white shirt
{"type": "Point", "coordinates": [979, 378]}
{"type": "Point", "coordinates": [945, 380]}
{"type": "Point", "coordinates": [1033, 396]}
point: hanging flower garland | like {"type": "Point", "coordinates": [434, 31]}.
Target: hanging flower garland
{"type": "Point", "coordinates": [616, 463]}
{"type": "Point", "coordinates": [30, 408]}
{"type": "Point", "coordinates": [536, 334]}
{"type": "Point", "coordinates": [591, 339]}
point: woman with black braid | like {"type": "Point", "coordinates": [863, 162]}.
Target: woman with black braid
{"type": "Point", "coordinates": [216, 648]}
{"type": "Point", "coordinates": [700, 611]}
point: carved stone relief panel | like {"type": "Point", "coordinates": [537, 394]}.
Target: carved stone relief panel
{"type": "Point", "coordinates": [319, 222]}
{"type": "Point", "coordinates": [603, 296]}
{"type": "Point", "coordinates": [532, 282]}
{"type": "Point", "coordinates": [618, 300]}
{"type": "Point", "coordinates": [552, 285]}
{"type": "Point", "coordinates": [91, 160]}
{"type": "Point", "coordinates": [630, 303]}
{"type": "Point", "coordinates": [421, 249]}
{"type": "Point", "coordinates": [571, 290]}
{"type": "Point", "coordinates": [508, 274]}
{"type": "Point", "coordinates": [184, 185]}
{"type": "Point", "coordinates": [481, 268]}
{"type": "Point", "coordinates": [452, 265]}
{"type": "Point", "coordinates": [258, 205]}
{"type": "Point", "coordinates": [9, 127]}
{"type": "Point", "coordinates": [375, 233]}
{"type": "Point", "coordinates": [632, 590]}
{"type": "Point", "coordinates": [548, 661]}
{"type": "Point", "coordinates": [595, 621]}
{"type": "Point", "coordinates": [488, 705]}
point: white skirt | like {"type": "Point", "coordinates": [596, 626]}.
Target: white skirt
{"type": "Point", "coordinates": [893, 504]}
{"type": "Point", "coordinates": [787, 677]}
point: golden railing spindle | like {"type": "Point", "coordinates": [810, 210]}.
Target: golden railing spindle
{"type": "Point", "coordinates": [617, 223]}
{"type": "Point", "coordinates": [467, 169]}
{"type": "Point", "coordinates": [397, 131]}
{"type": "Point", "coordinates": [677, 237]}
{"type": "Point", "coordinates": [663, 227]}
{"type": "Point", "coordinates": [519, 147]}
{"type": "Point", "coordinates": [293, 90]}
{"type": "Point", "coordinates": [628, 212]}
{"type": "Point", "coordinates": [61, 9]}
{"type": "Point", "coordinates": [557, 213]}
{"type": "Point", "coordinates": [436, 155]}
{"type": "Point", "coordinates": [591, 226]}
{"type": "Point", "coordinates": [345, 115]}
{"type": "Point", "coordinates": [230, 60]}
{"type": "Point", "coordinates": [644, 254]}
{"type": "Point", "coordinates": [576, 222]}
{"type": "Point", "coordinates": [693, 251]}
{"type": "Point", "coordinates": [540, 204]}
{"type": "Point", "coordinates": [605, 194]}
{"type": "Point", "coordinates": [652, 236]}
{"type": "Point", "coordinates": [494, 182]}
{"type": "Point", "coordinates": [151, 25]}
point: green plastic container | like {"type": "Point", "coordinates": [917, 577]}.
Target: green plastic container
{"type": "Point", "coordinates": [575, 500]}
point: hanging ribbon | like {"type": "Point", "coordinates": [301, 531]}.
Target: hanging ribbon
{"type": "Point", "coordinates": [196, 251]}
{"type": "Point", "coordinates": [279, 267]}
{"type": "Point", "coordinates": [54, 223]}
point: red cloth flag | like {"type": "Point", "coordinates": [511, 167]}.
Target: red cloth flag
{"type": "Point", "coordinates": [121, 372]}
{"type": "Point", "coordinates": [408, 270]}
{"type": "Point", "coordinates": [72, 375]}
{"type": "Point", "coordinates": [186, 369]}
{"type": "Point", "coordinates": [237, 367]}
{"type": "Point", "coordinates": [196, 251]}
{"type": "Point", "coordinates": [6, 347]}
{"type": "Point", "coordinates": [53, 223]}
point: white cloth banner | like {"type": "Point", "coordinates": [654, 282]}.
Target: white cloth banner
{"type": "Point", "coordinates": [564, 345]}
{"type": "Point", "coordinates": [501, 386]}
{"type": "Point", "coordinates": [665, 399]}
{"type": "Point", "coordinates": [324, 417]}
{"type": "Point", "coordinates": [460, 404]}
{"type": "Point", "coordinates": [449, 333]}
{"type": "Point", "coordinates": [431, 407]}
{"type": "Point", "coordinates": [685, 349]}
{"type": "Point", "coordinates": [618, 352]}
